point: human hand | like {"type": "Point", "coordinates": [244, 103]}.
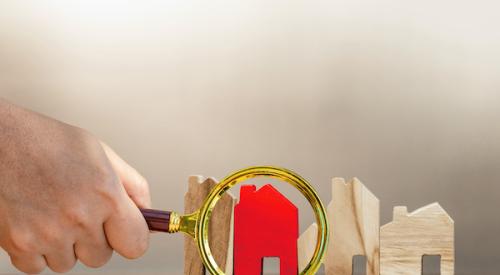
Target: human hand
{"type": "Point", "coordinates": [64, 196]}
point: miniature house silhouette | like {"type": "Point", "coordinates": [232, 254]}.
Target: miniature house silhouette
{"type": "Point", "coordinates": [403, 243]}
{"type": "Point", "coordinates": [424, 232]}
{"type": "Point", "coordinates": [354, 218]}
{"type": "Point", "coordinates": [265, 225]}
{"type": "Point", "coordinates": [353, 215]}
{"type": "Point", "coordinates": [220, 240]}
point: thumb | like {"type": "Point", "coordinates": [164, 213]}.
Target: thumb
{"type": "Point", "coordinates": [135, 185]}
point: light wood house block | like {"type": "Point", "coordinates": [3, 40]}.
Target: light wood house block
{"type": "Point", "coordinates": [220, 228]}
{"type": "Point", "coordinates": [306, 245]}
{"type": "Point", "coordinates": [404, 241]}
{"type": "Point", "coordinates": [353, 214]}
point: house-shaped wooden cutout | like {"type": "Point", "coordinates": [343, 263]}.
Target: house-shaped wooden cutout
{"type": "Point", "coordinates": [221, 239]}
{"type": "Point", "coordinates": [354, 217]}
{"type": "Point", "coordinates": [265, 225]}
{"type": "Point", "coordinates": [353, 214]}
{"type": "Point", "coordinates": [404, 241]}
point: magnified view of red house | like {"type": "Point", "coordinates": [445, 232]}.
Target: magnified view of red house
{"type": "Point", "coordinates": [265, 225]}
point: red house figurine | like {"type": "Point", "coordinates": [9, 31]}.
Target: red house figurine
{"type": "Point", "coordinates": [265, 225]}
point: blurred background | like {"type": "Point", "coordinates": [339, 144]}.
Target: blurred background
{"type": "Point", "coordinates": [404, 95]}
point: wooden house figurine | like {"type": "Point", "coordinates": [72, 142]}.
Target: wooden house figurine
{"type": "Point", "coordinates": [353, 214]}
{"type": "Point", "coordinates": [354, 217]}
{"type": "Point", "coordinates": [404, 241]}
{"type": "Point", "coordinates": [265, 225]}
{"type": "Point", "coordinates": [221, 240]}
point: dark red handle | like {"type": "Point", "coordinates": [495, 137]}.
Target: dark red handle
{"type": "Point", "coordinates": [157, 220]}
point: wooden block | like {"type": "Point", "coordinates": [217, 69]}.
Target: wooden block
{"type": "Point", "coordinates": [266, 224]}
{"type": "Point", "coordinates": [220, 228]}
{"type": "Point", "coordinates": [353, 214]}
{"type": "Point", "coordinates": [221, 232]}
{"type": "Point", "coordinates": [354, 219]}
{"type": "Point", "coordinates": [404, 241]}
{"type": "Point", "coordinates": [306, 245]}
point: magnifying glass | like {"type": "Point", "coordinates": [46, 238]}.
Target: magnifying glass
{"type": "Point", "coordinates": [196, 224]}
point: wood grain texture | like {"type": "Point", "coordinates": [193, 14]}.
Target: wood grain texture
{"type": "Point", "coordinates": [353, 215]}
{"type": "Point", "coordinates": [306, 245]}
{"type": "Point", "coordinates": [404, 241]}
{"type": "Point", "coordinates": [220, 228]}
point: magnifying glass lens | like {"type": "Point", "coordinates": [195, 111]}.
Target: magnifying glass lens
{"type": "Point", "coordinates": [197, 224]}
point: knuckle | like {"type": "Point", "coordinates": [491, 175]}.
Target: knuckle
{"type": "Point", "coordinates": [36, 269]}
{"type": "Point", "coordinates": [32, 269]}
{"type": "Point", "coordinates": [62, 268]}
{"type": "Point", "coordinates": [56, 269]}
{"type": "Point", "coordinates": [52, 238]}
{"type": "Point", "coordinates": [21, 242]}
{"type": "Point", "coordinates": [141, 194]}
{"type": "Point", "coordinates": [141, 182]}
{"type": "Point", "coordinates": [108, 186]}
{"type": "Point", "coordinates": [142, 247]}
{"type": "Point", "coordinates": [79, 216]}
{"type": "Point", "coordinates": [94, 251]}
{"type": "Point", "coordinates": [138, 250]}
{"type": "Point", "coordinates": [106, 180]}
{"type": "Point", "coordinates": [143, 186]}
{"type": "Point", "coordinates": [97, 262]}
{"type": "Point", "coordinates": [27, 266]}
{"type": "Point", "coordinates": [105, 176]}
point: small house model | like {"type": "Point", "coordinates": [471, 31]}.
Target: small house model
{"type": "Point", "coordinates": [265, 225]}
{"type": "Point", "coordinates": [428, 231]}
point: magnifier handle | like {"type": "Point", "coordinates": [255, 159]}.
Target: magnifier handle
{"type": "Point", "coordinates": [157, 220]}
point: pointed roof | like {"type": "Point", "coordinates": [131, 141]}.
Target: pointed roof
{"type": "Point", "coordinates": [247, 192]}
{"type": "Point", "coordinates": [431, 208]}
{"type": "Point", "coordinates": [338, 182]}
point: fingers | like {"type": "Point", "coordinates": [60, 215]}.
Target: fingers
{"type": "Point", "coordinates": [61, 258]}
{"type": "Point", "coordinates": [93, 249]}
{"type": "Point", "coordinates": [126, 229]}
{"type": "Point", "coordinates": [136, 186]}
{"type": "Point", "coordinates": [28, 262]}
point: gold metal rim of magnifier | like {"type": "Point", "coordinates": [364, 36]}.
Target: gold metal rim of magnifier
{"type": "Point", "coordinates": [196, 224]}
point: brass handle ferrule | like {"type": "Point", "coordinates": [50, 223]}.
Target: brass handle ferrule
{"type": "Point", "coordinates": [175, 223]}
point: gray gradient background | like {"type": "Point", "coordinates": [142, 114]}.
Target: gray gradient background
{"type": "Point", "coordinates": [405, 95]}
